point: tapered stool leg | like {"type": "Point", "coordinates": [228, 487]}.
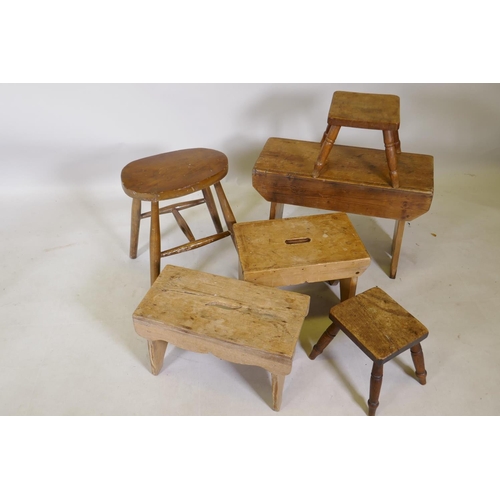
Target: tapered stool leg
{"type": "Point", "coordinates": [397, 241]}
{"type": "Point", "coordinates": [348, 288]}
{"type": "Point", "coordinates": [154, 242]}
{"type": "Point", "coordinates": [324, 340]}
{"type": "Point", "coordinates": [212, 208]}
{"type": "Point", "coordinates": [375, 386]}
{"type": "Point", "coordinates": [134, 227]}
{"type": "Point", "coordinates": [156, 349]}
{"type": "Point", "coordinates": [418, 360]}
{"type": "Point", "coordinates": [276, 211]}
{"type": "Point", "coordinates": [278, 384]}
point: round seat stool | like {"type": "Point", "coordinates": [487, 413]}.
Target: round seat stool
{"type": "Point", "coordinates": [174, 175]}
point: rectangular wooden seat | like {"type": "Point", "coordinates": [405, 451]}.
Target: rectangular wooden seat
{"type": "Point", "coordinates": [231, 319]}
{"type": "Point", "coordinates": [354, 180]}
{"type": "Point", "coordinates": [314, 248]}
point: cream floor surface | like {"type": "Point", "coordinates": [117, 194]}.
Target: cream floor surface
{"type": "Point", "coordinates": [68, 290]}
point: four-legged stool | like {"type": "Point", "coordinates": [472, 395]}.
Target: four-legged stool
{"type": "Point", "coordinates": [382, 329]}
{"type": "Point", "coordinates": [234, 320]}
{"type": "Point", "coordinates": [283, 252]}
{"type": "Point", "coordinates": [174, 175]}
{"type": "Point", "coordinates": [368, 111]}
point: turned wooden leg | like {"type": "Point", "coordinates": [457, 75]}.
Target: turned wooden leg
{"type": "Point", "coordinates": [397, 240]}
{"type": "Point", "coordinates": [324, 340]}
{"type": "Point", "coordinates": [276, 211]}
{"type": "Point", "coordinates": [348, 288]}
{"type": "Point", "coordinates": [226, 208]}
{"type": "Point", "coordinates": [326, 147]}
{"type": "Point", "coordinates": [391, 155]}
{"type": "Point", "coordinates": [212, 208]}
{"type": "Point", "coordinates": [418, 360]}
{"type": "Point", "coordinates": [278, 384]}
{"type": "Point", "coordinates": [397, 142]}
{"type": "Point", "coordinates": [154, 242]}
{"type": "Point", "coordinates": [156, 350]}
{"type": "Point", "coordinates": [134, 227]}
{"type": "Point", "coordinates": [375, 386]}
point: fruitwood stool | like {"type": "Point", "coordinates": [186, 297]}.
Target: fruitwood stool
{"type": "Point", "coordinates": [283, 252]}
{"type": "Point", "coordinates": [382, 329]}
{"type": "Point", "coordinates": [368, 111]}
{"type": "Point", "coordinates": [174, 175]}
{"type": "Point", "coordinates": [231, 319]}
{"type": "Point", "coordinates": [355, 180]}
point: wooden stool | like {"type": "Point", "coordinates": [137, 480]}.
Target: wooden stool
{"type": "Point", "coordinates": [284, 252]}
{"type": "Point", "coordinates": [231, 319]}
{"type": "Point", "coordinates": [382, 329]}
{"type": "Point", "coordinates": [368, 111]}
{"type": "Point", "coordinates": [173, 175]}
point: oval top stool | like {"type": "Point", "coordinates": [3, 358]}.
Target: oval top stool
{"type": "Point", "coordinates": [174, 175]}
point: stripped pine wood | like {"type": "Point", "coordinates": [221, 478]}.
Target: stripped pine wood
{"type": "Point", "coordinates": [236, 321]}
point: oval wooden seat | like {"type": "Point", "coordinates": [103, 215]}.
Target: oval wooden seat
{"type": "Point", "coordinates": [174, 175]}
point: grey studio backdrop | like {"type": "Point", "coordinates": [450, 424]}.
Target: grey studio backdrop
{"type": "Point", "coordinates": [68, 288]}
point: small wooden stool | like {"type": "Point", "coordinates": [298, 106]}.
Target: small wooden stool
{"type": "Point", "coordinates": [368, 111]}
{"type": "Point", "coordinates": [174, 175]}
{"type": "Point", "coordinates": [382, 329]}
{"type": "Point", "coordinates": [283, 252]}
{"type": "Point", "coordinates": [231, 319]}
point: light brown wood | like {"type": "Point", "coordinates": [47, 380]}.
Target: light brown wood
{"type": "Point", "coordinates": [392, 157]}
{"type": "Point", "coordinates": [291, 251]}
{"type": "Point", "coordinates": [154, 242]}
{"type": "Point", "coordinates": [134, 227]}
{"type": "Point", "coordinates": [382, 329]}
{"type": "Point", "coordinates": [397, 240]}
{"type": "Point", "coordinates": [212, 208]}
{"type": "Point", "coordinates": [156, 349]}
{"type": "Point", "coordinates": [276, 211]}
{"type": "Point", "coordinates": [354, 180]}
{"type": "Point", "coordinates": [326, 148]}
{"type": "Point", "coordinates": [225, 207]}
{"type": "Point", "coordinates": [278, 382]}
{"type": "Point", "coordinates": [363, 110]}
{"type": "Point", "coordinates": [231, 319]}
{"type": "Point", "coordinates": [173, 175]}
{"type": "Point", "coordinates": [348, 287]}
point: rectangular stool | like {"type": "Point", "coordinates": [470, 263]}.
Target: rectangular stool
{"type": "Point", "coordinates": [283, 252]}
{"type": "Point", "coordinates": [236, 321]}
{"type": "Point", "coordinates": [382, 329]}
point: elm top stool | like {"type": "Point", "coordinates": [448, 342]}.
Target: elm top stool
{"type": "Point", "coordinates": [234, 320]}
{"type": "Point", "coordinates": [283, 252]}
{"type": "Point", "coordinates": [382, 329]}
{"type": "Point", "coordinates": [368, 111]}
{"type": "Point", "coordinates": [174, 175]}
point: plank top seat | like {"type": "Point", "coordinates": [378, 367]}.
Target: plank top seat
{"type": "Point", "coordinates": [378, 324]}
{"type": "Point", "coordinates": [291, 251]}
{"type": "Point", "coordinates": [362, 110]}
{"type": "Point", "coordinates": [354, 180]}
{"type": "Point", "coordinates": [234, 320]}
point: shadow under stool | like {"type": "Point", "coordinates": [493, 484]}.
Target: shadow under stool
{"type": "Point", "coordinates": [309, 249]}
{"type": "Point", "coordinates": [236, 321]}
{"type": "Point", "coordinates": [174, 175]}
{"type": "Point", "coordinates": [382, 329]}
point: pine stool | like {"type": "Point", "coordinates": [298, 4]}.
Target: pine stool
{"type": "Point", "coordinates": [283, 252]}
{"type": "Point", "coordinates": [231, 319]}
{"type": "Point", "coordinates": [382, 329]}
{"type": "Point", "coordinates": [368, 111]}
{"type": "Point", "coordinates": [174, 175]}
